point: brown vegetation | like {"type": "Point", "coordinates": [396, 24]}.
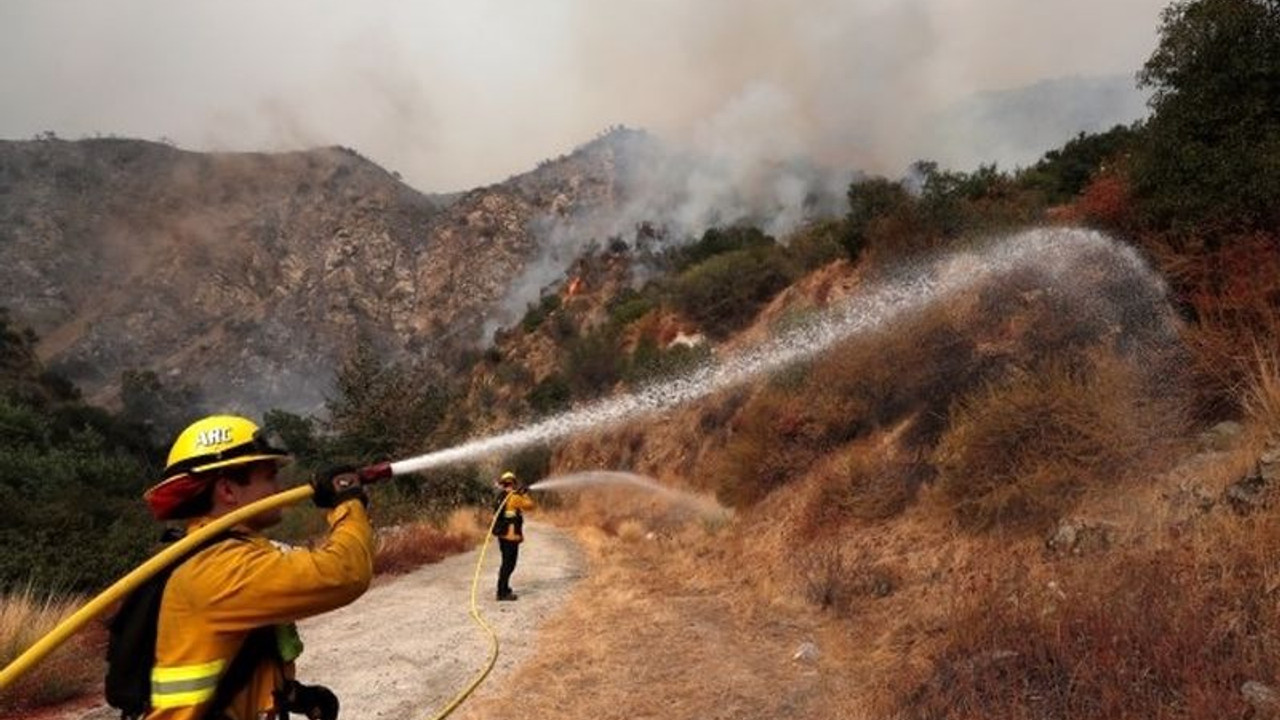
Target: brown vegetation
{"type": "Point", "coordinates": [405, 548]}
{"type": "Point", "coordinates": [70, 671]}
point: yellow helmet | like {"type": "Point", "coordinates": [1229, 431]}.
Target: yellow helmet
{"type": "Point", "coordinates": [508, 478]}
{"type": "Point", "coordinates": [217, 441]}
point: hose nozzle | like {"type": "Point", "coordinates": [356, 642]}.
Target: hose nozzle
{"type": "Point", "coordinates": [374, 473]}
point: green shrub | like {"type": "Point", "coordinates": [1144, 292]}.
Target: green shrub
{"type": "Point", "coordinates": [550, 395]}
{"type": "Point", "coordinates": [718, 241]}
{"type": "Point", "coordinates": [1062, 174]}
{"type": "Point", "coordinates": [594, 363]}
{"type": "Point", "coordinates": [816, 245]}
{"type": "Point", "coordinates": [724, 293]}
{"type": "Point", "coordinates": [650, 363]}
{"type": "Point", "coordinates": [870, 200]}
{"type": "Point", "coordinates": [629, 306]}
{"type": "Point", "coordinates": [70, 510]}
{"type": "Point", "coordinates": [536, 314]}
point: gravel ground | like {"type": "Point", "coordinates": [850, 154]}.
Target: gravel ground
{"type": "Point", "coordinates": [409, 645]}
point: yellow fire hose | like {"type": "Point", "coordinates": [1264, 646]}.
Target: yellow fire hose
{"type": "Point", "coordinates": [122, 587]}
{"type": "Point", "coordinates": [139, 575]}
{"type": "Point", "coordinates": [475, 615]}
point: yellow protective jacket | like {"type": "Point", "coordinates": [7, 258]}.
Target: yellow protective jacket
{"type": "Point", "coordinates": [512, 506]}
{"type": "Point", "coordinates": [214, 599]}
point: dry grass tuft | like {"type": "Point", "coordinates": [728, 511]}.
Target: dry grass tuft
{"type": "Point", "coordinates": [1261, 396]}
{"type": "Point", "coordinates": [1019, 453]}
{"type": "Point", "coordinates": [70, 671]}
{"type": "Point", "coordinates": [860, 387]}
{"type": "Point", "coordinates": [840, 579]}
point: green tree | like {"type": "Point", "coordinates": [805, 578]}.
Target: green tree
{"type": "Point", "coordinates": [869, 201]}
{"type": "Point", "coordinates": [1211, 156]}
{"type": "Point", "coordinates": [298, 434]}
{"type": "Point", "coordinates": [162, 409]}
{"type": "Point", "coordinates": [1063, 173]}
{"type": "Point", "coordinates": [382, 409]}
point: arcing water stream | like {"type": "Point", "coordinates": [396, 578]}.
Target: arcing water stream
{"type": "Point", "coordinates": [704, 506]}
{"type": "Point", "coordinates": [1059, 255]}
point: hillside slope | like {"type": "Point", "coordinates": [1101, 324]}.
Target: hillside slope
{"type": "Point", "coordinates": [246, 275]}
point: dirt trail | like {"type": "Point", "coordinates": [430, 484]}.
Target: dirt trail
{"type": "Point", "coordinates": [408, 646]}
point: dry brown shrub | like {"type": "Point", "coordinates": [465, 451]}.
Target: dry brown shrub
{"type": "Point", "coordinates": [70, 671]}
{"type": "Point", "coordinates": [1107, 201]}
{"type": "Point", "coordinates": [863, 483]}
{"type": "Point", "coordinates": [1020, 452]}
{"type": "Point", "coordinates": [1169, 632]}
{"type": "Point", "coordinates": [873, 382]}
{"type": "Point", "coordinates": [406, 548]}
{"type": "Point", "coordinates": [1233, 294]}
{"type": "Point", "coordinates": [840, 579]}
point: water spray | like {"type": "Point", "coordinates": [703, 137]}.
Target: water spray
{"type": "Point", "coordinates": [586, 478]}
{"type": "Point", "coordinates": [1058, 253]}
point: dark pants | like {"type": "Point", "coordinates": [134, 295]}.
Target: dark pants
{"type": "Point", "coordinates": [510, 554]}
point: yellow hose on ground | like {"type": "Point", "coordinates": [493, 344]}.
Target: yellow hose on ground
{"type": "Point", "coordinates": [139, 575]}
{"type": "Point", "coordinates": [475, 615]}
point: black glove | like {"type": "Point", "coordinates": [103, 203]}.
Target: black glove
{"type": "Point", "coordinates": [317, 702]}
{"type": "Point", "coordinates": [336, 485]}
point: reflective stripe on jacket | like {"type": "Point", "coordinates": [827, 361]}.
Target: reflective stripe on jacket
{"type": "Point", "coordinates": [511, 512]}
{"type": "Point", "coordinates": [214, 599]}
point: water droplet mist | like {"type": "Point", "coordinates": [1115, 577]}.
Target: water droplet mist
{"type": "Point", "coordinates": [1059, 255]}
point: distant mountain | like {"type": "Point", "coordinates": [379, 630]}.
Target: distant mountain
{"type": "Point", "coordinates": [1013, 128]}
{"type": "Point", "coordinates": [247, 275]}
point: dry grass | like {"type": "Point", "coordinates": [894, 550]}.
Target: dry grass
{"type": "Point", "coordinates": [70, 671]}
{"type": "Point", "coordinates": [670, 628]}
{"type": "Point", "coordinates": [1018, 454]}
{"type": "Point", "coordinates": [408, 547]}
{"type": "Point", "coordinates": [1261, 395]}
{"type": "Point", "coordinates": [1171, 632]}
{"type": "Point", "coordinates": [1234, 294]}
{"type": "Point", "coordinates": [876, 382]}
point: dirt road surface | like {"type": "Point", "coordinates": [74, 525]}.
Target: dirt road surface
{"type": "Point", "coordinates": [409, 646]}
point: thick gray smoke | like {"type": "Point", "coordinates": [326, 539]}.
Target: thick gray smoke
{"type": "Point", "coordinates": [456, 95]}
{"type": "Point", "coordinates": [678, 193]}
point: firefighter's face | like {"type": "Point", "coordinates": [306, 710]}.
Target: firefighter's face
{"type": "Point", "coordinates": [261, 483]}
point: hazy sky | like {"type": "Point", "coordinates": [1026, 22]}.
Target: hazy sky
{"type": "Point", "coordinates": [459, 93]}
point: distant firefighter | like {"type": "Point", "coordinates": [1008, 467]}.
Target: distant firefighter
{"type": "Point", "coordinates": [509, 528]}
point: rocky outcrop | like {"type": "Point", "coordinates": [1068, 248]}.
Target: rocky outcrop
{"type": "Point", "coordinates": [247, 275]}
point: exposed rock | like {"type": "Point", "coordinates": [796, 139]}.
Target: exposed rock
{"type": "Point", "coordinates": [1254, 491]}
{"type": "Point", "coordinates": [1220, 436]}
{"type": "Point", "coordinates": [1078, 536]}
{"type": "Point", "coordinates": [1269, 465]}
{"type": "Point", "coordinates": [806, 653]}
{"type": "Point", "coordinates": [246, 274]}
{"type": "Point", "coordinates": [1263, 698]}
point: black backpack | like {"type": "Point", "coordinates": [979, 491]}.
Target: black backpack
{"type": "Point", "coordinates": [131, 646]}
{"type": "Point", "coordinates": [501, 521]}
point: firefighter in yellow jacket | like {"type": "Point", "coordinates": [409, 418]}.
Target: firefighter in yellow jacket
{"type": "Point", "coordinates": [225, 639]}
{"type": "Point", "coordinates": [509, 528]}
